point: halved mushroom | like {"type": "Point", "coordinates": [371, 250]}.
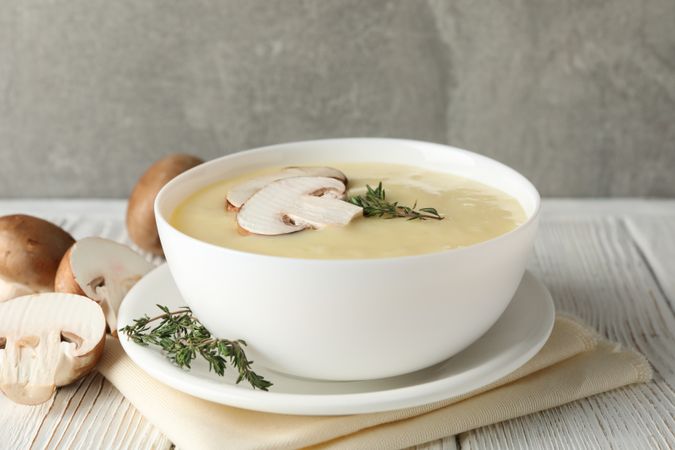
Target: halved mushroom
{"type": "Point", "coordinates": [242, 192]}
{"type": "Point", "coordinates": [47, 340]}
{"type": "Point", "coordinates": [294, 204]}
{"type": "Point", "coordinates": [30, 252]}
{"type": "Point", "coordinates": [140, 211]}
{"type": "Point", "coordinates": [104, 271]}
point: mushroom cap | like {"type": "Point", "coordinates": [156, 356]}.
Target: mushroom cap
{"type": "Point", "coordinates": [240, 193]}
{"type": "Point", "coordinates": [64, 280]}
{"type": "Point", "coordinates": [30, 251]}
{"type": "Point", "coordinates": [48, 340]}
{"type": "Point", "coordinates": [102, 270]}
{"type": "Point", "coordinates": [10, 289]}
{"type": "Point", "coordinates": [294, 204]}
{"type": "Point", "coordinates": [140, 210]}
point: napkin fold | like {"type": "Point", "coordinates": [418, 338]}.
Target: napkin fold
{"type": "Point", "coordinates": [574, 363]}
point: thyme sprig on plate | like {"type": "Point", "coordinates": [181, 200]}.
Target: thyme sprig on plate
{"type": "Point", "coordinates": [182, 338]}
{"type": "Point", "coordinates": [374, 203]}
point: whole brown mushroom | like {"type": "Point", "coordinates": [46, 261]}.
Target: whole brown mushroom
{"type": "Point", "coordinates": [140, 212]}
{"type": "Point", "coordinates": [30, 252]}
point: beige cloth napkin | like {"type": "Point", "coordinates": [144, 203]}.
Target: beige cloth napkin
{"type": "Point", "coordinates": [573, 364]}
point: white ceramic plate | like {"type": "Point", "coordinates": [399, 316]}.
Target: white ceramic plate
{"type": "Point", "coordinates": [517, 336]}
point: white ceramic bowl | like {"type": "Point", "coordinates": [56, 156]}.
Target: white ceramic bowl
{"type": "Point", "coordinates": [350, 319]}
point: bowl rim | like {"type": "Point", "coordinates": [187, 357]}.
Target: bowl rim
{"type": "Point", "coordinates": [162, 220]}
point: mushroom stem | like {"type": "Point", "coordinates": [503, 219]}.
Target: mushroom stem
{"type": "Point", "coordinates": [39, 356]}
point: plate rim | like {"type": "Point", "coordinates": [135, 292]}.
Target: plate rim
{"type": "Point", "coordinates": [338, 404]}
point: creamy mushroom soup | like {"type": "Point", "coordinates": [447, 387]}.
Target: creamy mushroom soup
{"type": "Point", "coordinates": [472, 212]}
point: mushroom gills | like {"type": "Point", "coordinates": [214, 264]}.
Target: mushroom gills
{"type": "Point", "coordinates": [294, 204]}
{"type": "Point", "coordinates": [35, 357]}
{"type": "Point", "coordinates": [240, 193]}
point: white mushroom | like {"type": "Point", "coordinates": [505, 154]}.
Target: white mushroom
{"type": "Point", "coordinates": [47, 340]}
{"type": "Point", "coordinates": [104, 271]}
{"type": "Point", "coordinates": [242, 192]}
{"type": "Point", "coordinates": [294, 204]}
{"type": "Point", "coordinates": [30, 252]}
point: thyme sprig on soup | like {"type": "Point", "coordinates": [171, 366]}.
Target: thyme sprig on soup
{"type": "Point", "coordinates": [342, 211]}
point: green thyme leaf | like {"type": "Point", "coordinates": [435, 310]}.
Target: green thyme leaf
{"type": "Point", "coordinates": [182, 338]}
{"type": "Point", "coordinates": [375, 204]}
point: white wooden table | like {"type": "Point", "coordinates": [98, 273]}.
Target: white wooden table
{"type": "Point", "coordinates": [611, 262]}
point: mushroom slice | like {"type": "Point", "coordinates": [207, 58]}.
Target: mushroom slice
{"type": "Point", "coordinates": [140, 219]}
{"type": "Point", "coordinates": [242, 192]}
{"type": "Point", "coordinates": [30, 252]}
{"type": "Point", "coordinates": [104, 271]}
{"type": "Point", "coordinates": [48, 340]}
{"type": "Point", "coordinates": [294, 204]}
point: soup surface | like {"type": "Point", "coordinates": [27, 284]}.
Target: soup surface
{"type": "Point", "coordinates": [473, 213]}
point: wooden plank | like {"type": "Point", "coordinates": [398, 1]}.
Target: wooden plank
{"type": "Point", "coordinates": [573, 209]}
{"type": "Point", "coordinates": [20, 423]}
{"type": "Point", "coordinates": [595, 270]}
{"type": "Point", "coordinates": [78, 209]}
{"type": "Point", "coordinates": [655, 238]}
{"type": "Point", "coordinates": [448, 443]}
{"type": "Point", "coordinates": [93, 414]}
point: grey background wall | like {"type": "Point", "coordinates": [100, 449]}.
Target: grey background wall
{"type": "Point", "coordinates": [577, 94]}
